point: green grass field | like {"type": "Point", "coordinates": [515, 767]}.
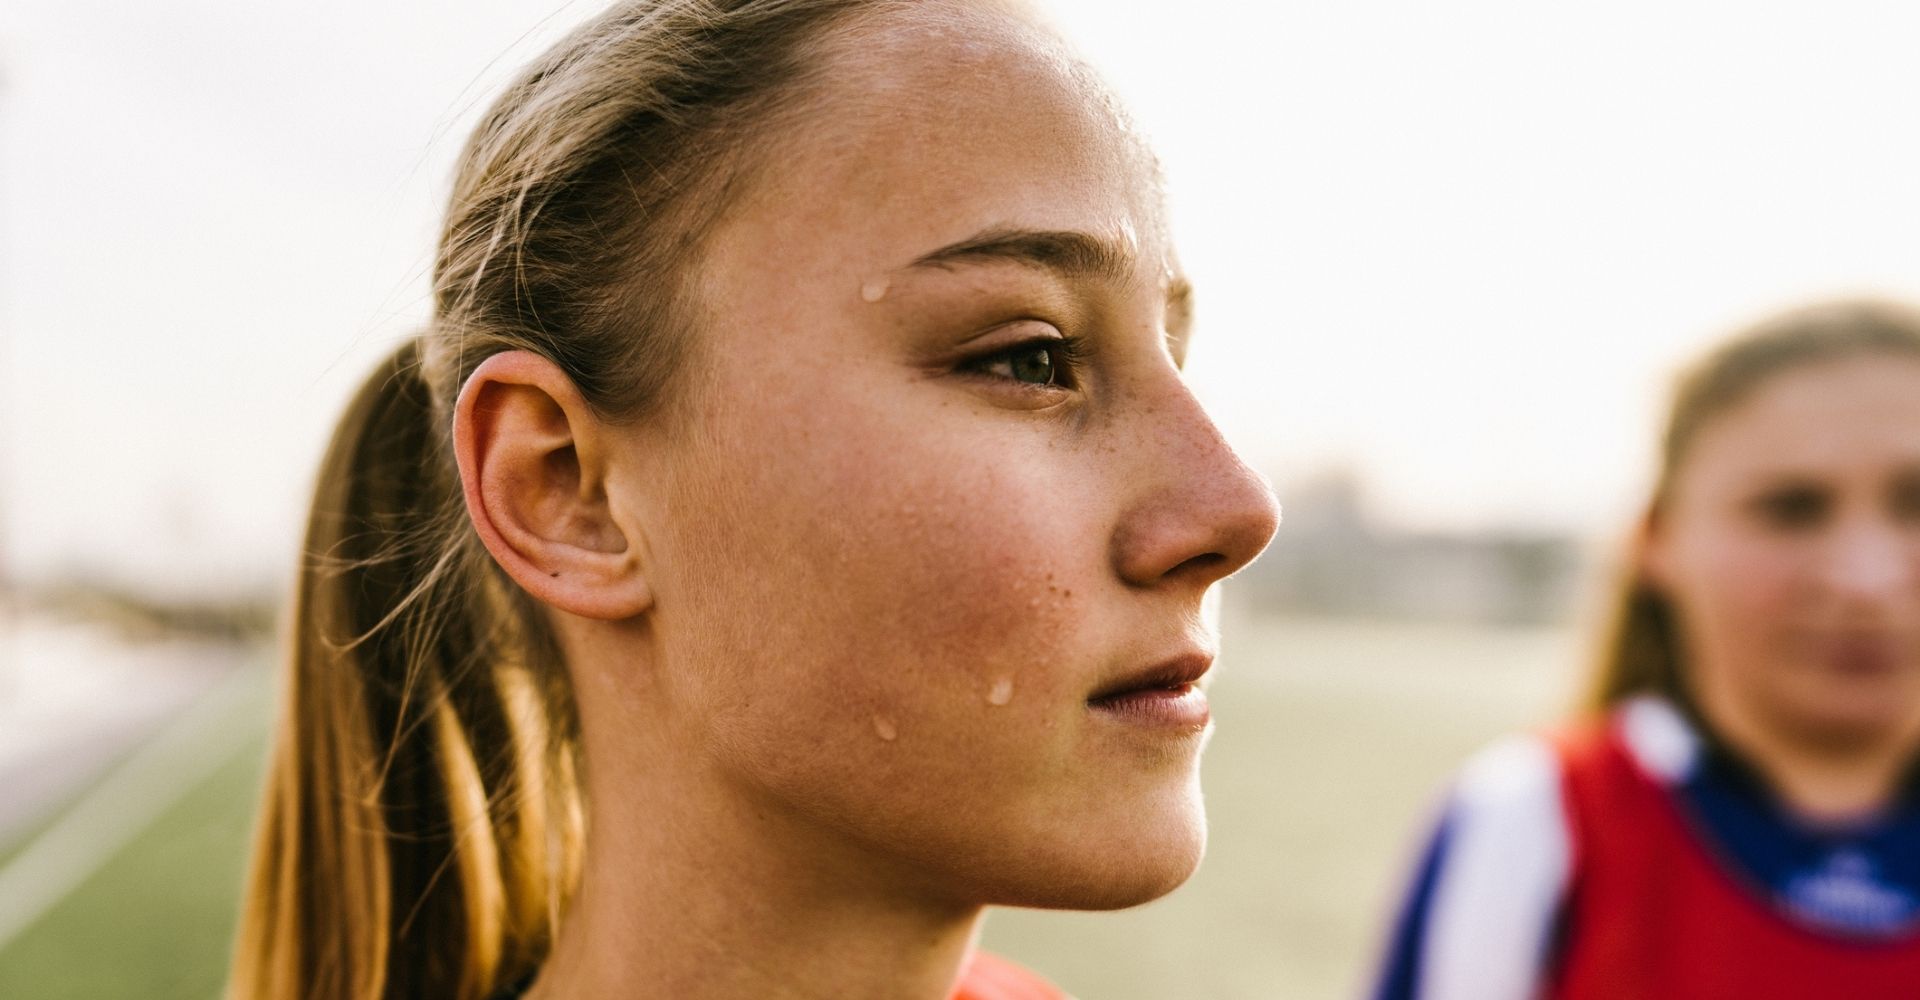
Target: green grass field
{"type": "Point", "coordinates": [1334, 739]}
{"type": "Point", "coordinates": [153, 918]}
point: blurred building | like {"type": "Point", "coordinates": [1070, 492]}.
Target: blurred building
{"type": "Point", "coordinates": [1330, 558]}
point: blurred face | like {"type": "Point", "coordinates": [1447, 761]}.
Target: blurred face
{"type": "Point", "coordinates": [1791, 548]}
{"type": "Point", "coordinates": [939, 527]}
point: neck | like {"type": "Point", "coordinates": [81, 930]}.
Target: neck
{"type": "Point", "coordinates": [693, 888]}
{"type": "Point", "coordinates": [1824, 780]}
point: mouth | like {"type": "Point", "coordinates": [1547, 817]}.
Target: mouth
{"type": "Point", "coordinates": [1860, 654]}
{"type": "Point", "coordinates": [1166, 694]}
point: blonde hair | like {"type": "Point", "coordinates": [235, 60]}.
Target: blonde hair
{"type": "Point", "coordinates": [1640, 650]}
{"type": "Point", "coordinates": [423, 820]}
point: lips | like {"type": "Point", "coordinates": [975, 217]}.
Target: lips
{"type": "Point", "coordinates": [1860, 653]}
{"type": "Point", "coordinates": [1166, 694]}
{"type": "Point", "coordinates": [1180, 671]}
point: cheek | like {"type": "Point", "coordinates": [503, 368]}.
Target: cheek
{"type": "Point", "coordinates": [874, 575]}
{"type": "Point", "coordinates": [1735, 586]}
{"type": "Point", "coordinates": [1736, 600]}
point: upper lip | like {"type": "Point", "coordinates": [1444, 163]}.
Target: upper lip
{"type": "Point", "coordinates": [1173, 672]}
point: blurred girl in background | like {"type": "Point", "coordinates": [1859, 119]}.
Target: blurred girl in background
{"type": "Point", "coordinates": [1736, 812]}
{"type": "Point", "coordinates": [790, 537]}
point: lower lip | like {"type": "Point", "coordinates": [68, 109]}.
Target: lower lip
{"type": "Point", "coordinates": [1183, 707]}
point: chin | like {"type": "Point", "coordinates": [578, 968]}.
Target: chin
{"type": "Point", "coordinates": [1852, 716]}
{"type": "Point", "coordinates": [1110, 863]}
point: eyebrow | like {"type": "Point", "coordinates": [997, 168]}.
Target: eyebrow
{"type": "Point", "coordinates": [1064, 252]}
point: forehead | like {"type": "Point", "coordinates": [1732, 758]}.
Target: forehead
{"type": "Point", "coordinates": [1830, 417]}
{"type": "Point", "coordinates": [932, 125]}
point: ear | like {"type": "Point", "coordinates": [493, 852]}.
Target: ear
{"type": "Point", "coordinates": [532, 469]}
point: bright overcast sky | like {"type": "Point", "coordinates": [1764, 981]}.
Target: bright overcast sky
{"type": "Point", "coordinates": [1454, 247]}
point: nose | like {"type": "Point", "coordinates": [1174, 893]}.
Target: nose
{"type": "Point", "coordinates": [1195, 512]}
{"type": "Point", "coordinates": [1869, 562]}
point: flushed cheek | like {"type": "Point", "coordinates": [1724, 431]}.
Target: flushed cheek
{"type": "Point", "coordinates": [930, 683]}
{"type": "Point", "coordinates": [902, 586]}
{"type": "Point", "coordinates": [962, 576]}
{"type": "Point", "coordinates": [1744, 593]}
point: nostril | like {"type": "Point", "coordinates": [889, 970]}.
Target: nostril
{"type": "Point", "coordinates": [1207, 563]}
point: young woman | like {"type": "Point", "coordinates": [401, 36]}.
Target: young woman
{"type": "Point", "coordinates": [790, 537]}
{"type": "Point", "coordinates": [1738, 814]}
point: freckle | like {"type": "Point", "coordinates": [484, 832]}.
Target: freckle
{"type": "Point", "coordinates": [874, 290]}
{"type": "Point", "coordinates": [883, 728]}
{"type": "Point", "coordinates": [1001, 692]}
{"type": "Point", "coordinates": [1066, 593]}
{"type": "Point", "coordinates": [555, 574]}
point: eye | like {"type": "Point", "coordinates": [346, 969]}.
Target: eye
{"type": "Point", "coordinates": [1046, 361]}
{"type": "Point", "coordinates": [1793, 508]}
{"type": "Point", "coordinates": [1032, 364]}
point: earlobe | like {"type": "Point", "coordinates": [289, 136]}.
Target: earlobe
{"type": "Point", "coordinates": [531, 456]}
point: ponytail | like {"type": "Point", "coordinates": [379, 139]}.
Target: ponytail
{"type": "Point", "coordinates": [422, 822]}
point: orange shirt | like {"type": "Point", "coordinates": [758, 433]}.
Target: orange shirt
{"type": "Point", "coordinates": [990, 977]}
